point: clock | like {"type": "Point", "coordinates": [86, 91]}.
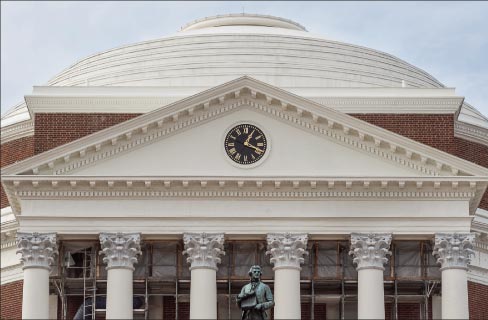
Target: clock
{"type": "Point", "coordinates": [245, 144]}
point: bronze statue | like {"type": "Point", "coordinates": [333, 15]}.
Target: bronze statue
{"type": "Point", "coordinates": [255, 297]}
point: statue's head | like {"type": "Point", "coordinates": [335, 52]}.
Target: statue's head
{"type": "Point", "coordinates": [255, 272]}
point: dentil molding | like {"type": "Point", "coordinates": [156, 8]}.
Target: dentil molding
{"type": "Point", "coordinates": [120, 249]}
{"type": "Point", "coordinates": [203, 249]}
{"type": "Point", "coordinates": [287, 249]}
{"type": "Point", "coordinates": [370, 251]}
{"type": "Point", "coordinates": [454, 250]}
{"type": "Point", "coordinates": [37, 249]}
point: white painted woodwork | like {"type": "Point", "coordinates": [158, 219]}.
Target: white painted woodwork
{"type": "Point", "coordinates": [35, 294]}
{"type": "Point", "coordinates": [201, 150]}
{"type": "Point", "coordinates": [371, 301]}
{"type": "Point", "coordinates": [287, 293]}
{"type": "Point", "coordinates": [203, 294]}
{"type": "Point", "coordinates": [314, 216]}
{"type": "Point", "coordinates": [455, 294]}
{"type": "Point", "coordinates": [119, 294]}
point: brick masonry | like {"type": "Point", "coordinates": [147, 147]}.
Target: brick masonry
{"type": "Point", "coordinates": [478, 301]}
{"type": "Point", "coordinates": [11, 300]}
{"type": "Point", "coordinates": [55, 129]}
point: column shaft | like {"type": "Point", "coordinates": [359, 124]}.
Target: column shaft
{"type": "Point", "coordinates": [35, 294]}
{"type": "Point", "coordinates": [370, 253]}
{"type": "Point", "coordinates": [455, 294]}
{"type": "Point", "coordinates": [453, 252]}
{"type": "Point", "coordinates": [119, 294]}
{"type": "Point", "coordinates": [287, 294]}
{"type": "Point", "coordinates": [204, 251]}
{"type": "Point", "coordinates": [203, 294]}
{"type": "Point", "coordinates": [287, 252]}
{"type": "Point", "coordinates": [371, 299]}
{"type": "Point", "coordinates": [121, 251]}
{"type": "Point", "coordinates": [38, 251]}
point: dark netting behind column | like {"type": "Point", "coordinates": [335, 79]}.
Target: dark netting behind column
{"type": "Point", "coordinates": [407, 259]}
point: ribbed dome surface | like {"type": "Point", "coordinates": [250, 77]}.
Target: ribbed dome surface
{"type": "Point", "coordinates": [214, 50]}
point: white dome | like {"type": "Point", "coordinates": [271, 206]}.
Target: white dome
{"type": "Point", "coordinates": [214, 50]}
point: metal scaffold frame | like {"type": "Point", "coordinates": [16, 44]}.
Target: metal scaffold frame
{"type": "Point", "coordinates": [86, 278]}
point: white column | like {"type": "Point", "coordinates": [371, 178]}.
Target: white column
{"type": "Point", "coordinates": [120, 250]}
{"type": "Point", "coordinates": [38, 252]}
{"type": "Point", "coordinates": [436, 307]}
{"type": "Point", "coordinates": [453, 252]}
{"type": "Point", "coordinates": [203, 250]}
{"type": "Point", "coordinates": [287, 252]}
{"type": "Point", "coordinates": [370, 251]}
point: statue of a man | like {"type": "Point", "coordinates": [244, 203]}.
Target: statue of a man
{"type": "Point", "coordinates": [255, 297]}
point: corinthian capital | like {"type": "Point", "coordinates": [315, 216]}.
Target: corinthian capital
{"type": "Point", "coordinates": [120, 249]}
{"type": "Point", "coordinates": [37, 249]}
{"type": "Point", "coordinates": [453, 250]}
{"type": "Point", "coordinates": [370, 250]}
{"type": "Point", "coordinates": [287, 249]}
{"type": "Point", "coordinates": [203, 249]}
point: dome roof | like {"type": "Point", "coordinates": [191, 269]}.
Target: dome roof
{"type": "Point", "coordinates": [214, 50]}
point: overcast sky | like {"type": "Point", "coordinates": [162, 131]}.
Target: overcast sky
{"type": "Point", "coordinates": [447, 39]}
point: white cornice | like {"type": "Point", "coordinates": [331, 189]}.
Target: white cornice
{"type": "Point", "coordinates": [17, 131]}
{"type": "Point", "coordinates": [471, 132]}
{"type": "Point", "coordinates": [145, 99]}
{"type": "Point", "coordinates": [246, 92]}
{"type": "Point", "coordinates": [277, 187]}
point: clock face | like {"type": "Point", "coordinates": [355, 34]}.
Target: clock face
{"type": "Point", "coordinates": [245, 144]}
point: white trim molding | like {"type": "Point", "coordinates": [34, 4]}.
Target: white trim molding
{"type": "Point", "coordinates": [471, 132]}
{"type": "Point", "coordinates": [246, 93]}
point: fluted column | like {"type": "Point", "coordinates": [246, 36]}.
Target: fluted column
{"type": "Point", "coordinates": [38, 251]}
{"type": "Point", "coordinates": [204, 251]}
{"type": "Point", "coordinates": [453, 252]}
{"type": "Point", "coordinates": [287, 252]}
{"type": "Point", "coordinates": [121, 251]}
{"type": "Point", "coordinates": [370, 254]}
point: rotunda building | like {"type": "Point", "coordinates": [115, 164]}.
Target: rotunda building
{"type": "Point", "coordinates": [145, 181]}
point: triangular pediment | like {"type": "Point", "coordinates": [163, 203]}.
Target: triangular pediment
{"type": "Point", "coordinates": [327, 142]}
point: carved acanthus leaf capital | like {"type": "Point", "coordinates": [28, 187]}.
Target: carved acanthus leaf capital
{"type": "Point", "coordinates": [37, 249]}
{"type": "Point", "coordinates": [370, 251]}
{"type": "Point", "coordinates": [120, 249]}
{"type": "Point", "coordinates": [287, 249]}
{"type": "Point", "coordinates": [203, 249]}
{"type": "Point", "coordinates": [454, 250]}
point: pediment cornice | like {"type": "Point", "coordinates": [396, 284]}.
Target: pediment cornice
{"type": "Point", "coordinates": [245, 93]}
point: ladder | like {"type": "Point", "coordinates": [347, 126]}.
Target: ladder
{"type": "Point", "coordinates": [89, 292]}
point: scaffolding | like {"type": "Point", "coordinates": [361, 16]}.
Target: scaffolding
{"type": "Point", "coordinates": [162, 279]}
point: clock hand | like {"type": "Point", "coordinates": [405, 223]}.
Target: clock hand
{"type": "Point", "coordinates": [249, 137]}
{"type": "Point", "coordinates": [247, 144]}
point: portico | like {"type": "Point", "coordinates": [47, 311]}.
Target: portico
{"type": "Point", "coordinates": [370, 252]}
{"type": "Point", "coordinates": [333, 199]}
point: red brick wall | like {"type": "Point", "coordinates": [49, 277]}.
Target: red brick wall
{"type": "Point", "coordinates": [55, 129]}
{"type": "Point", "coordinates": [14, 151]}
{"type": "Point", "coordinates": [433, 130]}
{"type": "Point", "coordinates": [11, 300]}
{"type": "Point", "coordinates": [478, 301]}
